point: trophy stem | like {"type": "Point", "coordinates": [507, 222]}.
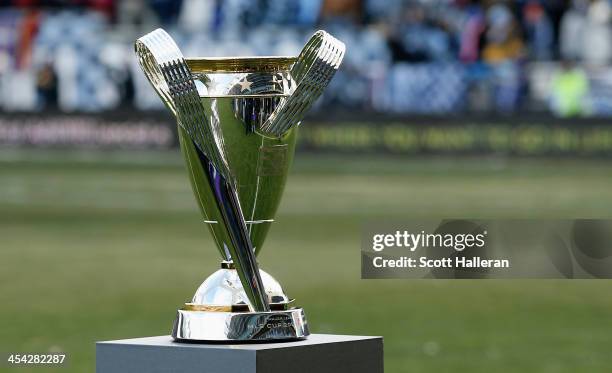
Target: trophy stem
{"type": "Point", "coordinates": [241, 249]}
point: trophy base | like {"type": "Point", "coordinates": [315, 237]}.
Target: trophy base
{"type": "Point", "coordinates": [215, 326]}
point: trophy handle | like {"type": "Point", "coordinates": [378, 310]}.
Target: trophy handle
{"type": "Point", "coordinates": [164, 66]}
{"type": "Point", "coordinates": [166, 69]}
{"type": "Point", "coordinates": [314, 69]}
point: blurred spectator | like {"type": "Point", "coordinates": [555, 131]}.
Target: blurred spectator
{"type": "Point", "coordinates": [504, 49]}
{"type": "Point", "coordinates": [503, 42]}
{"type": "Point", "coordinates": [597, 42]}
{"type": "Point", "coordinates": [419, 38]}
{"type": "Point", "coordinates": [28, 28]}
{"type": "Point", "coordinates": [570, 91]}
{"type": "Point", "coordinates": [572, 31]}
{"type": "Point", "coordinates": [471, 32]}
{"type": "Point", "coordinates": [539, 31]}
{"type": "Point", "coordinates": [46, 84]}
{"type": "Point", "coordinates": [347, 9]}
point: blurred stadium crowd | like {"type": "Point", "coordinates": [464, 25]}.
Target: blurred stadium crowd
{"type": "Point", "coordinates": [406, 57]}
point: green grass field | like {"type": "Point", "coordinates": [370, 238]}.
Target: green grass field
{"type": "Point", "coordinates": [98, 246]}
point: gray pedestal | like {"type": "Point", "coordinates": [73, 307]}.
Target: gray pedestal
{"type": "Point", "coordinates": [321, 353]}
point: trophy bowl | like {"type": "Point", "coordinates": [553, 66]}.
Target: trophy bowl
{"type": "Point", "coordinates": [237, 124]}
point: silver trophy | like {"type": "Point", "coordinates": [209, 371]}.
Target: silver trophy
{"type": "Point", "coordinates": [237, 124]}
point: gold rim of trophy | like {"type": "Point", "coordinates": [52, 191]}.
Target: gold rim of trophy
{"type": "Point", "coordinates": [240, 64]}
{"type": "Point", "coordinates": [233, 308]}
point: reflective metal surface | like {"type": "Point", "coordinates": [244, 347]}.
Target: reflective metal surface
{"type": "Point", "coordinates": [246, 326]}
{"type": "Point", "coordinates": [164, 66]}
{"type": "Point", "coordinates": [313, 70]}
{"type": "Point", "coordinates": [166, 69]}
{"type": "Point", "coordinates": [238, 120]}
{"type": "Point", "coordinates": [224, 289]}
{"type": "Point", "coordinates": [259, 163]}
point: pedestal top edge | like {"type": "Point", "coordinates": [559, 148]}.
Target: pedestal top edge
{"type": "Point", "coordinates": [166, 341]}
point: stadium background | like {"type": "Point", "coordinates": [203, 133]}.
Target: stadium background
{"type": "Point", "coordinates": [442, 109]}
